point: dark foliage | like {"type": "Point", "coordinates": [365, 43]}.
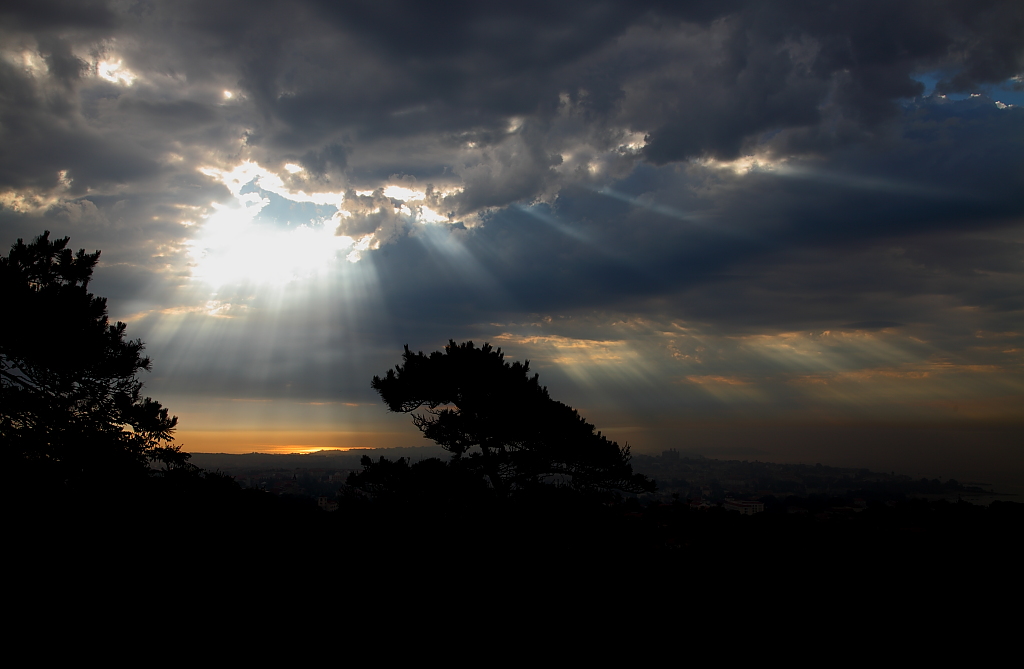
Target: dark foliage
{"type": "Point", "coordinates": [71, 403]}
{"type": "Point", "coordinates": [431, 483]}
{"type": "Point", "coordinates": [499, 422]}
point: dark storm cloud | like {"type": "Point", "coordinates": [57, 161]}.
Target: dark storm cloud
{"type": "Point", "coordinates": [698, 79]}
{"type": "Point", "coordinates": [42, 15]}
{"type": "Point", "coordinates": [793, 65]}
{"type": "Point", "coordinates": [61, 62]}
{"type": "Point", "coordinates": [332, 158]}
{"type": "Point", "coordinates": [759, 67]}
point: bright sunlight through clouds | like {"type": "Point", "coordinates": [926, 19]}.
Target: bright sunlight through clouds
{"type": "Point", "coordinates": [232, 248]}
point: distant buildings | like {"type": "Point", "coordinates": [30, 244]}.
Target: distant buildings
{"type": "Point", "coordinates": [745, 508]}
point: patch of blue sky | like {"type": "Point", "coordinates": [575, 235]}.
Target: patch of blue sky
{"type": "Point", "coordinates": [1009, 92]}
{"type": "Point", "coordinates": [285, 213]}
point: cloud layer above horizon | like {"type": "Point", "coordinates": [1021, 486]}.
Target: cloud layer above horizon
{"type": "Point", "coordinates": [719, 210]}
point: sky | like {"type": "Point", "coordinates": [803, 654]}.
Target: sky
{"type": "Point", "coordinates": [783, 230]}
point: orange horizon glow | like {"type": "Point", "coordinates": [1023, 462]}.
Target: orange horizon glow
{"type": "Point", "coordinates": [289, 441]}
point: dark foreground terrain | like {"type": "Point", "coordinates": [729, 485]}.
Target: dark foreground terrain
{"type": "Point", "coordinates": [214, 534]}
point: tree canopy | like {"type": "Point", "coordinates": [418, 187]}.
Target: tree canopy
{"type": "Point", "coordinates": [495, 418]}
{"type": "Point", "coordinates": [70, 398]}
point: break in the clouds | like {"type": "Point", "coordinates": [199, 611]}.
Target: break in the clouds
{"type": "Point", "coordinates": [705, 209]}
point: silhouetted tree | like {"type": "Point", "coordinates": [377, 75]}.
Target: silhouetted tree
{"type": "Point", "coordinates": [70, 399]}
{"type": "Point", "coordinates": [498, 420]}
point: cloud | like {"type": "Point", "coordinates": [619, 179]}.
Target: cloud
{"type": "Point", "coordinates": [333, 86]}
{"type": "Point", "coordinates": [371, 215]}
